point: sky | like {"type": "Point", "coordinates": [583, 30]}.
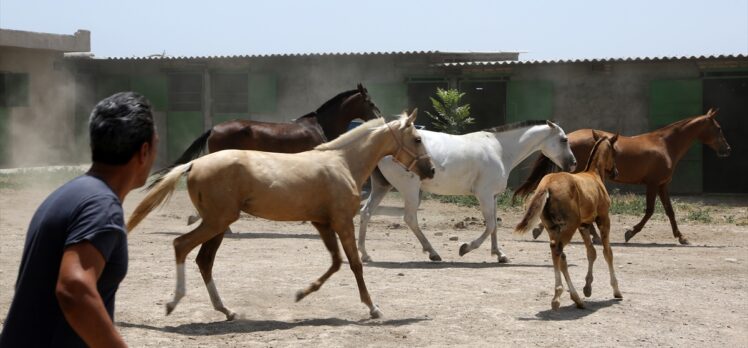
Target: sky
{"type": "Point", "coordinates": [541, 30]}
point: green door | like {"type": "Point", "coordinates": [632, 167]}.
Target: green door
{"type": "Point", "coordinates": [527, 100]}
{"type": "Point", "coordinates": [183, 127]}
{"type": "Point", "coordinates": [674, 100]}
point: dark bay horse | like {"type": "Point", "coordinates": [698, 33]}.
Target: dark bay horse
{"type": "Point", "coordinates": [566, 202]}
{"type": "Point", "coordinates": [321, 186]}
{"type": "Point", "coordinates": [326, 123]}
{"type": "Point", "coordinates": [648, 159]}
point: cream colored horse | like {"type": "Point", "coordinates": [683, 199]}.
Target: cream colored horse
{"type": "Point", "coordinates": [321, 186]}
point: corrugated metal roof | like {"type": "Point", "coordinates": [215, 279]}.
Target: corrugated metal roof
{"type": "Point", "coordinates": [596, 60]}
{"type": "Point", "coordinates": [492, 55]}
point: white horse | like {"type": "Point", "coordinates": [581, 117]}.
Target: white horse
{"type": "Point", "coordinates": [472, 164]}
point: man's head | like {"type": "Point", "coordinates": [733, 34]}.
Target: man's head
{"type": "Point", "coordinates": [122, 130]}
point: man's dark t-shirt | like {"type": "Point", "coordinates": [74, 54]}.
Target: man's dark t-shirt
{"type": "Point", "coordinates": [83, 210]}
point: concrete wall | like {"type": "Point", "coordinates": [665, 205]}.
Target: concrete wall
{"type": "Point", "coordinates": [41, 133]}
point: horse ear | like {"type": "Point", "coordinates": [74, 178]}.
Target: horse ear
{"type": "Point", "coordinates": [361, 88]}
{"type": "Point", "coordinates": [412, 117]}
{"type": "Point", "coordinates": [551, 124]}
{"type": "Point", "coordinates": [712, 112]}
{"type": "Point", "coordinates": [595, 135]}
{"type": "Point", "coordinates": [614, 139]}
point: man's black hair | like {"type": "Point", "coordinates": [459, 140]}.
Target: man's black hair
{"type": "Point", "coordinates": [118, 127]}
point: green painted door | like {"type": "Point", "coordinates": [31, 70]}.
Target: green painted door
{"type": "Point", "coordinates": [674, 100]}
{"type": "Point", "coordinates": [4, 137]}
{"type": "Point", "coordinates": [183, 127]}
{"type": "Point", "coordinates": [390, 97]}
{"type": "Point", "coordinates": [153, 87]}
{"type": "Point", "coordinates": [263, 91]}
{"type": "Point", "coordinates": [527, 100]}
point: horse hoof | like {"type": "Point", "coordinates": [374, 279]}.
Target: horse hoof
{"type": "Point", "coordinates": [628, 235]}
{"type": "Point", "coordinates": [300, 295]}
{"type": "Point", "coordinates": [464, 249]}
{"type": "Point", "coordinates": [365, 258]}
{"type": "Point", "coordinates": [376, 313]}
{"type": "Point", "coordinates": [580, 304]}
{"type": "Point", "coordinates": [192, 219]}
{"type": "Point", "coordinates": [587, 291]}
{"type": "Point", "coordinates": [555, 305]}
{"type": "Point", "coordinates": [170, 307]}
{"type": "Point", "coordinates": [435, 257]}
{"type": "Point", "coordinates": [503, 259]}
{"type": "Point", "coordinates": [536, 233]}
{"type": "Point", "coordinates": [618, 295]}
{"type": "Point", "coordinates": [231, 316]}
{"type": "Point", "coordinates": [683, 241]}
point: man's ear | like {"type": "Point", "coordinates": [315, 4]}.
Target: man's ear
{"type": "Point", "coordinates": [145, 151]}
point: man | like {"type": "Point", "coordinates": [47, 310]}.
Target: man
{"type": "Point", "coordinates": [75, 254]}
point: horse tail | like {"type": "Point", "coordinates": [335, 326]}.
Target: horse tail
{"type": "Point", "coordinates": [542, 166]}
{"type": "Point", "coordinates": [159, 192]}
{"type": "Point", "coordinates": [193, 151]}
{"type": "Point", "coordinates": [534, 209]}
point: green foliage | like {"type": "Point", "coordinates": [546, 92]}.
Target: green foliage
{"type": "Point", "coordinates": [450, 117]}
{"type": "Point", "coordinates": [503, 201]}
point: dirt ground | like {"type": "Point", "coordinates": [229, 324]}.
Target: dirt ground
{"type": "Point", "coordinates": [673, 295]}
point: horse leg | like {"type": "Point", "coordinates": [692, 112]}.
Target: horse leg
{"type": "Point", "coordinates": [378, 192]}
{"type": "Point", "coordinates": [665, 199]}
{"type": "Point", "coordinates": [345, 232]}
{"type": "Point", "coordinates": [651, 193]}
{"type": "Point", "coordinates": [537, 231]}
{"type": "Point", "coordinates": [328, 237]}
{"type": "Point", "coordinates": [564, 239]}
{"type": "Point", "coordinates": [595, 237]}
{"type": "Point", "coordinates": [585, 231]}
{"type": "Point", "coordinates": [182, 246]}
{"type": "Point", "coordinates": [410, 196]}
{"type": "Point", "coordinates": [205, 258]}
{"type": "Point", "coordinates": [603, 222]}
{"type": "Point", "coordinates": [488, 208]}
{"type": "Point", "coordinates": [553, 234]}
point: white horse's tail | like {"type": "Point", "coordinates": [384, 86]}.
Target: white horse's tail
{"type": "Point", "coordinates": [534, 209]}
{"type": "Point", "coordinates": [159, 192]}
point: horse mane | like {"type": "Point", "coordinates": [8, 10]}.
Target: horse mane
{"type": "Point", "coordinates": [336, 99]}
{"type": "Point", "coordinates": [515, 125]}
{"type": "Point", "coordinates": [352, 135]}
{"type": "Point", "coordinates": [593, 153]}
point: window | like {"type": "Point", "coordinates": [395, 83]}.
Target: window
{"type": "Point", "coordinates": [14, 89]}
{"type": "Point", "coordinates": [185, 92]}
{"type": "Point", "coordinates": [230, 93]}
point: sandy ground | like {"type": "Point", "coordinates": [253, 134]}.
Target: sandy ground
{"type": "Point", "coordinates": [673, 295]}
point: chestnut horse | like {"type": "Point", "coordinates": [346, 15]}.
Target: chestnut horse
{"type": "Point", "coordinates": [321, 186]}
{"type": "Point", "coordinates": [647, 159]}
{"type": "Point", "coordinates": [303, 134]}
{"type": "Point", "coordinates": [566, 202]}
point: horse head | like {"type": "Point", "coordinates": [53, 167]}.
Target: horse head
{"type": "Point", "coordinates": [411, 153]}
{"type": "Point", "coordinates": [359, 105]}
{"type": "Point", "coordinates": [556, 147]}
{"type": "Point", "coordinates": [604, 151]}
{"type": "Point", "coordinates": [711, 134]}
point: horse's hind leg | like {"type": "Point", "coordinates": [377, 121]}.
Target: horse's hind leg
{"type": "Point", "coordinates": [205, 258]}
{"type": "Point", "coordinates": [651, 195]}
{"type": "Point", "coordinates": [328, 237]}
{"type": "Point", "coordinates": [556, 250]}
{"type": "Point", "coordinates": [379, 189]}
{"type": "Point", "coordinates": [585, 231]}
{"type": "Point", "coordinates": [182, 246]}
{"type": "Point", "coordinates": [488, 208]}
{"type": "Point", "coordinates": [603, 222]}
{"type": "Point", "coordinates": [345, 231]}
{"type": "Point", "coordinates": [665, 199]}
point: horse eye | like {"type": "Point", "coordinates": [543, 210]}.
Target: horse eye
{"type": "Point", "coordinates": [564, 140]}
{"type": "Point", "coordinates": [418, 140]}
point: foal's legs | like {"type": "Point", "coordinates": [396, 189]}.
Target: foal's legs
{"type": "Point", "coordinates": [585, 231]}
{"type": "Point", "coordinates": [411, 197]}
{"type": "Point", "coordinates": [603, 222]}
{"type": "Point", "coordinates": [331, 243]}
{"type": "Point", "coordinates": [205, 258]}
{"type": "Point", "coordinates": [565, 238]}
{"type": "Point", "coordinates": [379, 189]}
{"type": "Point", "coordinates": [651, 193]}
{"type": "Point", "coordinates": [184, 244]}
{"type": "Point", "coordinates": [488, 208]}
{"type": "Point", "coordinates": [345, 232]}
{"type": "Point", "coordinates": [665, 199]}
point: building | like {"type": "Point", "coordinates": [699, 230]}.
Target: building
{"type": "Point", "coordinates": [632, 95]}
